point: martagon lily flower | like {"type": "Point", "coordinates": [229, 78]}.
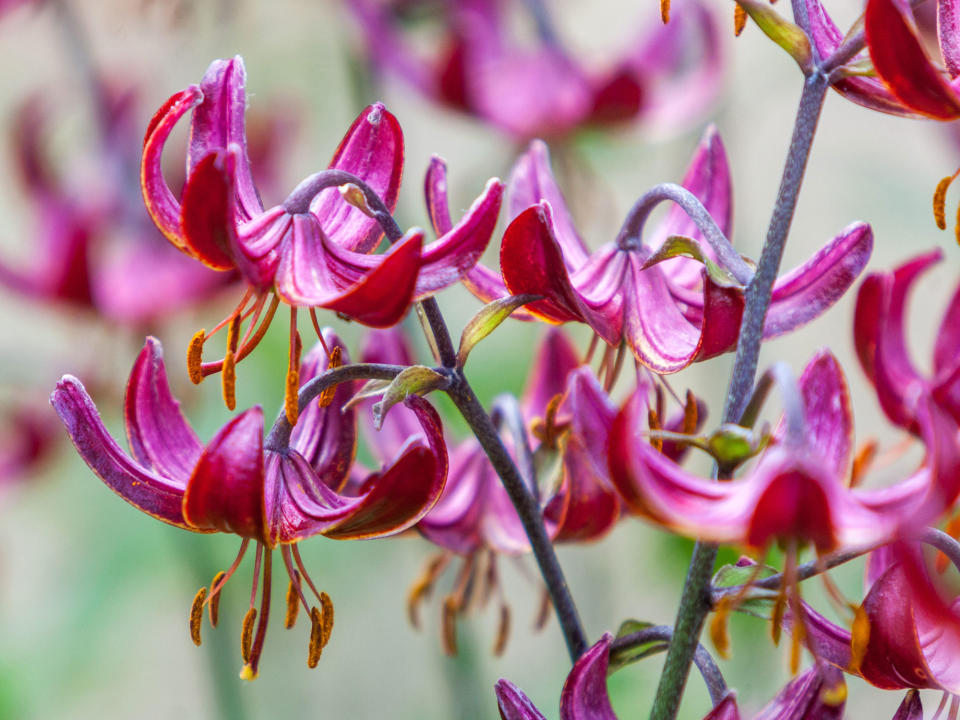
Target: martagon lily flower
{"type": "Point", "coordinates": [672, 313]}
{"type": "Point", "coordinates": [274, 494]}
{"type": "Point", "coordinates": [474, 520]}
{"type": "Point", "coordinates": [541, 90]}
{"type": "Point", "coordinates": [817, 694]}
{"type": "Point", "coordinates": [312, 250]}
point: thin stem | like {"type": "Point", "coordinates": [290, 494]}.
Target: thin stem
{"type": "Point", "coordinates": [712, 677]}
{"type": "Point", "coordinates": [527, 508]}
{"type": "Point", "coordinates": [942, 542]}
{"type": "Point", "coordinates": [695, 598]}
{"type": "Point", "coordinates": [631, 234]}
{"type": "Point", "coordinates": [279, 437]}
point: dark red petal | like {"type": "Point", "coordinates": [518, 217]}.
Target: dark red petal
{"type": "Point", "coordinates": [226, 490]}
{"type": "Point", "coordinates": [206, 220]}
{"type": "Point", "coordinates": [584, 695]}
{"type": "Point", "coordinates": [902, 64]}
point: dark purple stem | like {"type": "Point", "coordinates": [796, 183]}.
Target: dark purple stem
{"type": "Point", "coordinates": [695, 599]}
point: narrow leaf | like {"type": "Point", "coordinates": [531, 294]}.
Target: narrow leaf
{"type": "Point", "coordinates": [682, 246]}
{"type": "Point", "coordinates": [415, 380]}
{"type": "Point", "coordinates": [487, 320]}
{"type": "Point", "coordinates": [624, 656]}
{"type": "Point", "coordinates": [783, 32]}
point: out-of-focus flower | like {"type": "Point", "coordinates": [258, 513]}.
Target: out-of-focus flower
{"type": "Point", "coordinates": [539, 89]}
{"type": "Point", "coordinates": [94, 247]}
{"type": "Point", "coordinates": [817, 694]}
{"type": "Point", "coordinates": [902, 64]}
{"type": "Point", "coordinates": [272, 495]}
{"type": "Point", "coordinates": [797, 492]}
{"type": "Point", "coordinates": [313, 250]}
{"type": "Point", "coordinates": [672, 313]}
{"type": "Point", "coordinates": [880, 337]}
{"type": "Point", "coordinates": [27, 437]}
{"type": "Point", "coordinates": [570, 416]}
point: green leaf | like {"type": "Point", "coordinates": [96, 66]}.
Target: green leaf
{"type": "Point", "coordinates": [370, 388]}
{"type": "Point", "coordinates": [487, 320]}
{"type": "Point", "coordinates": [783, 32]}
{"type": "Point", "coordinates": [757, 601]}
{"type": "Point", "coordinates": [680, 245]}
{"type": "Point", "coordinates": [730, 444]}
{"type": "Point", "coordinates": [624, 656]}
{"type": "Point", "coordinates": [415, 380]}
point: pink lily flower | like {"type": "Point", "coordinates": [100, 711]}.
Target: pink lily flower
{"type": "Point", "coordinates": [26, 441]}
{"type": "Point", "coordinates": [817, 694]}
{"type": "Point", "coordinates": [879, 334]}
{"type": "Point", "coordinates": [474, 519]}
{"type": "Point", "coordinates": [543, 91]}
{"type": "Point", "coordinates": [670, 314]}
{"type": "Point", "coordinates": [271, 495]}
{"type": "Point", "coordinates": [797, 491]}
{"type": "Point", "coordinates": [312, 250]}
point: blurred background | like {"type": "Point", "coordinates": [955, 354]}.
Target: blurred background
{"type": "Point", "coordinates": [94, 596]}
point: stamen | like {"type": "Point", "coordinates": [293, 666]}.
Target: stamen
{"type": "Point", "coordinates": [326, 397]}
{"type": "Point", "coordinates": [665, 11]}
{"type": "Point", "coordinates": [449, 627]}
{"type": "Point", "coordinates": [316, 327]}
{"type": "Point", "coordinates": [255, 312]}
{"type": "Point", "coordinates": [606, 363]}
{"type": "Point", "coordinates": [546, 429]}
{"type": "Point", "coordinates": [211, 368]}
{"type": "Point", "coordinates": [294, 580]}
{"type": "Point", "coordinates": [718, 626]}
{"type": "Point", "coordinates": [295, 551]}
{"type": "Point", "coordinates": [859, 638]}
{"type": "Point", "coordinates": [690, 411]}
{"type": "Point", "coordinates": [228, 377]}
{"type": "Point", "coordinates": [940, 201]}
{"type": "Point", "coordinates": [196, 615]}
{"type": "Point", "coordinates": [195, 357]}
{"type": "Point", "coordinates": [246, 634]}
{"type": "Point", "coordinates": [834, 695]}
{"type": "Point", "coordinates": [250, 670]}
{"type": "Point", "coordinates": [942, 705]}
{"type": "Point", "coordinates": [503, 631]}
{"type": "Point", "coordinates": [797, 637]}
{"type": "Point", "coordinates": [654, 422]}
{"type": "Point", "coordinates": [956, 229]}
{"type": "Point", "coordinates": [326, 605]}
{"type": "Point", "coordinates": [422, 587]}
{"type": "Point", "coordinates": [293, 605]}
{"type": "Point", "coordinates": [739, 20]}
{"type": "Point", "coordinates": [591, 349]}
{"type": "Point", "coordinates": [221, 578]}
{"type": "Point", "coordinates": [954, 708]}
{"type": "Point", "coordinates": [315, 648]}
{"type": "Point", "coordinates": [543, 612]}
{"type": "Point", "coordinates": [615, 370]}
{"type": "Point", "coordinates": [293, 372]}
{"type": "Point", "coordinates": [953, 530]}
{"type": "Point", "coordinates": [862, 461]}
{"type": "Point", "coordinates": [256, 574]}
{"type": "Point", "coordinates": [214, 600]}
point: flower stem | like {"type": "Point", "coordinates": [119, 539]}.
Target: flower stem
{"type": "Point", "coordinates": [695, 598]}
{"type": "Point", "coordinates": [527, 508]}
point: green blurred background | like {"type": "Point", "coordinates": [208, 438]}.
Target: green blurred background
{"type": "Point", "coordinates": [94, 596]}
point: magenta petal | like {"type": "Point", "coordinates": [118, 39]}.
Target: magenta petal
{"type": "Point", "coordinates": [911, 708]}
{"type": "Point", "coordinates": [372, 149]}
{"type": "Point", "coordinates": [513, 704]}
{"type": "Point", "coordinates": [807, 291]}
{"type": "Point", "coordinates": [584, 695]}
{"type": "Point", "coordinates": [327, 436]}
{"type": "Point", "coordinates": [531, 182]}
{"type": "Point", "coordinates": [948, 33]}
{"type": "Point", "coordinates": [455, 521]}
{"type": "Point", "coordinates": [158, 496]}
{"type": "Point", "coordinates": [726, 709]}
{"type": "Point", "coordinates": [159, 436]}
{"type": "Point", "coordinates": [218, 123]}
{"type": "Point", "coordinates": [807, 696]}
{"type": "Point", "coordinates": [555, 359]}
{"type": "Point", "coordinates": [829, 416]}
{"type": "Point", "coordinates": [447, 259]}
{"type": "Point", "coordinates": [435, 191]}
{"type": "Point", "coordinates": [945, 355]}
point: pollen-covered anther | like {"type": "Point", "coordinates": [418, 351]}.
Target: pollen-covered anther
{"type": "Point", "coordinates": [862, 461]}
{"type": "Point", "coordinates": [326, 604]}
{"type": "Point", "coordinates": [690, 414]}
{"type": "Point", "coordinates": [719, 634]}
{"type": "Point", "coordinates": [196, 615]}
{"type": "Point", "coordinates": [859, 637]}
{"type": "Point", "coordinates": [195, 357]}
{"type": "Point", "coordinates": [546, 429]}
{"type": "Point", "coordinates": [449, 625]}
{"type": "Point", "coordinates": [228, 376]}
{"type": "Point", "coordinates": [290, 400]}
{"type": "Point", "coordinates": [543, 611]}
{"type": "Point", "coordinates": [335, 361]}
{"type": "Point", "coordinates": [315, 648]}
{"type": "Point", "coordinates": [214, 600]}
{"type": "Point", "coordinates": [940, 201]}
{"type": "Point", "coordinates": [665, 11]}
{"type": "Point", "coordinates": [834, 695]}
{"type": "Point", "coordinates": [797, 638]}
{"type": "Point", "coordinates": [503, 631]}
{"type": "Point", "coordinates": [739, 20]}
{"type": "Point", "coordinates": [293, 606]}
{"type": "Point", "coordinates": [246, 634]}
{"type": "Point", "coordinates": [654, 422]}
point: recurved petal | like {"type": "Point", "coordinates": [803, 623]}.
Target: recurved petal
{"type": "Point", "coordinates": [584, 695]}
{"type": "Point", "coordinates": [226, 490]}
{"type": "Point", "coordinates": [435, 192]}
{"type": "Point", "coordinates": [726, 709]}
{"type": "Point", "coordinates": [829, 416]}
{"type": "Point", "coordinates": [154, 494]}
{"type": "Point", "coordinates": [372, 150]}
{"type": "Point", "coordinates": [817, 694]}
{"type": "Point", "coordinates": [206, 220]}
{"type": "Point", "coordinates": [531, 182]}
{"type": "Point", "coordinates": [807, 291]}
{"type": "Point", "coordinates": [159, 198]}
{"type": "Point", "coordinates": [327, 436]}
{"type": "Point", "coordinates": [449, 258]}
{"type": "Point", "coordinates": [218, 122]}
{"type": "Point", "coordinates": [902, 63]}
{"type": "Point", "coordinates": [159, 436]}
{"type": "Point", "coordinates": [455, 522]}
{"type": "Point", "coordinates": [513, 704]}
{"type": "Point", "coordinates": [390, 501]}
{"type": "Point", "coordinates": [948, 34]}
{"type": "Point", "coordinates": [556, 358]}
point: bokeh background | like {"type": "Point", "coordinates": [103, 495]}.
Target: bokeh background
{"type": "Point", "coordinates": [94, 596]}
